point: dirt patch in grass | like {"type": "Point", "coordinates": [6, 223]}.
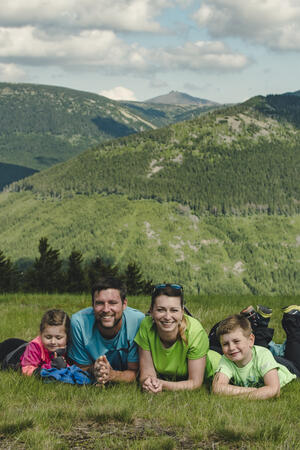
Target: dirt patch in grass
{"type": "Point", "coordinates": [11, 445]}
{"type": "Point", "coordinates": [85, 436]}
{"type": "Point", "coordinates": [140, 434]}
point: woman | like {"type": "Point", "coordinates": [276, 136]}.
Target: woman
{"type": "Point", "coordinates": [173, 347]}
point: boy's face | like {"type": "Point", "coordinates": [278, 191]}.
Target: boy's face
{"type": "Point", "coordinates": [237, 347]}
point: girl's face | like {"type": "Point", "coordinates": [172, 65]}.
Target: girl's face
{"type": "Point", "coordinates": [54, 337]}
{"type": "Point", "coordinates": [167, 314]}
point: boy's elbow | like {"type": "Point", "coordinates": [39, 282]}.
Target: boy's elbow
{"type": "Point", "coordinates": [216, 388]}
{"type": "Point", "coordinates": [277, 392]}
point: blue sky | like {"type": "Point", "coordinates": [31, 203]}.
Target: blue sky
{"type": "Point", "coordinates": [221, 50]}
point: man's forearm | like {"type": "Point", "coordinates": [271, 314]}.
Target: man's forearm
{"type": "Point", "coordinates": [89, 368]}
{"type": "Point", "coordinates": [126, 376]}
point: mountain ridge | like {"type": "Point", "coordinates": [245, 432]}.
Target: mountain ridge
{"type": "Point", "coordinates": [44, 125]}
{"type": "Point", "coordinates": [262, 133]}
{"type": "Point", "coordinates": [180, 98]}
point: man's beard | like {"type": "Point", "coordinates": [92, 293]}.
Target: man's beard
{"type": "Point", "coordinates": [116, 322]}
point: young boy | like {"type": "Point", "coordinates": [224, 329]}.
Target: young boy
{"type": "Point", "coordinates": [246, 369]}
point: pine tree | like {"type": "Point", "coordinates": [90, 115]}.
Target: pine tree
{"type": "Point", "coordinates": [134, 280]}
{"type": "Point", "coordinates": [98, 269]}
{"type": "Point", "coordinates": [8, 275]}
{"type": "Point", "coordinates": [76, 281]}
{"type": "Point", "coordinates": [46, 274]}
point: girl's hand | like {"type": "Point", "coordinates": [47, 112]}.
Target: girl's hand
{"type": "Point", "coordinates": [58, 362]}
{"type": "Point", "coordinates": [152, 384]}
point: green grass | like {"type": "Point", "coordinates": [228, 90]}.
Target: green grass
{"type": "Point", "coordinates": [57, 416]}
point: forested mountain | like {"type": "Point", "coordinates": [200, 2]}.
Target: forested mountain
{"type": "Point", "coordinates": [44, 125]}
{"type": "Point", "coordinates": [239, 160]}
{"type": "Point", "coordinates": [211, 203]}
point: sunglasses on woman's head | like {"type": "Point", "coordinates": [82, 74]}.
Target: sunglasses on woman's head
{"type": "Point", "coordinates": [164, 285]}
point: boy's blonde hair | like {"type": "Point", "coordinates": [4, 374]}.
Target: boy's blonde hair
{"type": "Point", "coordinates": [231, 323]}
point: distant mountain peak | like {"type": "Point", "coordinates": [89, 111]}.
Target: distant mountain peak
{"type": "Point", "coordinates": [180, 98]}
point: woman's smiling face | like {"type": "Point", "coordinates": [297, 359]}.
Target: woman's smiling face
{"type": "Point", "coordinates": [167, 314]}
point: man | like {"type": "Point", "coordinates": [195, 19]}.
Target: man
{"type": "Point", "coordinates": [102, 336]}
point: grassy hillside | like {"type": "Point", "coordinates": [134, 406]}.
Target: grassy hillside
{"type": "Point", "coordinates": [232, 255]}
{"type": "Point", "coordinates": [239, 160]}
{"type": "Point", "coordinates": [45, 125]}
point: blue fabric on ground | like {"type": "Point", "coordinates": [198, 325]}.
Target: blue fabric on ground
{"type": "Point", "coordinates": [277, 349]}
{"type": "Point", "coordinates": [71, 375]}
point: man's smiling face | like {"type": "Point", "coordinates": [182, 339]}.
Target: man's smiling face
{"type": "Point", "coordinates": [108, 309]}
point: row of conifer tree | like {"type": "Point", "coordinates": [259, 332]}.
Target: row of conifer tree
{"type": "Point", "coordinates": [49, 273]}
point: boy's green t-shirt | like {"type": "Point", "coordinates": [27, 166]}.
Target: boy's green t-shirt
{"type": "Point", "coordinates": [252, 375]}
{"type": "Point", "coordinates": [172, 362]}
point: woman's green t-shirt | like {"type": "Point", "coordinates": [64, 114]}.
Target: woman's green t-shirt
{"type": "Point", "coordinates": [172, 362]}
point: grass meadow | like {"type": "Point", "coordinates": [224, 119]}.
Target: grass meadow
{"type": "Point", "coordinates": [34, 415]}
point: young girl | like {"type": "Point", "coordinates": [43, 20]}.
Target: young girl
{"type": "Point", "coordinates": [46, 351]}
{"type": "Point", "coordinates": [49, 348]}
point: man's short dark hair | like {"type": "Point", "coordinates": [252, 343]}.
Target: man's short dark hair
{"type": "Point", "coordinates": [110, 283]}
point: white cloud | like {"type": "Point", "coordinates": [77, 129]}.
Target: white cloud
{"type": "Point", "coordinates": [119, 93]}
{"type": "Point", "coordinates": [88, 48]}
{"type": "Point", "coordinates": [103, 49]}
{"type": "Point", "coordinates": [273, 23]}
{"type": "Point", "coordinates": [11, 73]}
{"type": "Point", "coordinates": [118, 15]}
{"type": "Point", "coordinates": [201, 55]}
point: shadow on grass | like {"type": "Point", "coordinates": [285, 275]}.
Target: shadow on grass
{"type": "Point", "coordinates": [228, 435]}
{"type": "Point", "coordinates": [163, 443]}
{"type": "Point", "coordinates": [11, 429]}
{"type": "Point", "coordinates": [124, 415]}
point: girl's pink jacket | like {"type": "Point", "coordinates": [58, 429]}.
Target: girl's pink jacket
{"type": "Point", "coordinates": [35, 356]}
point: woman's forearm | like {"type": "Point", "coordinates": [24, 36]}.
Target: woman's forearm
{"type": "Point", "coordinates": [146, 373]}
{"type": "Point", "coordinates": [180, 385]}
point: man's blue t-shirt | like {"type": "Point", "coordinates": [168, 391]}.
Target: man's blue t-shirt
{"type": "Point", "coordinates": [87, 343]}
